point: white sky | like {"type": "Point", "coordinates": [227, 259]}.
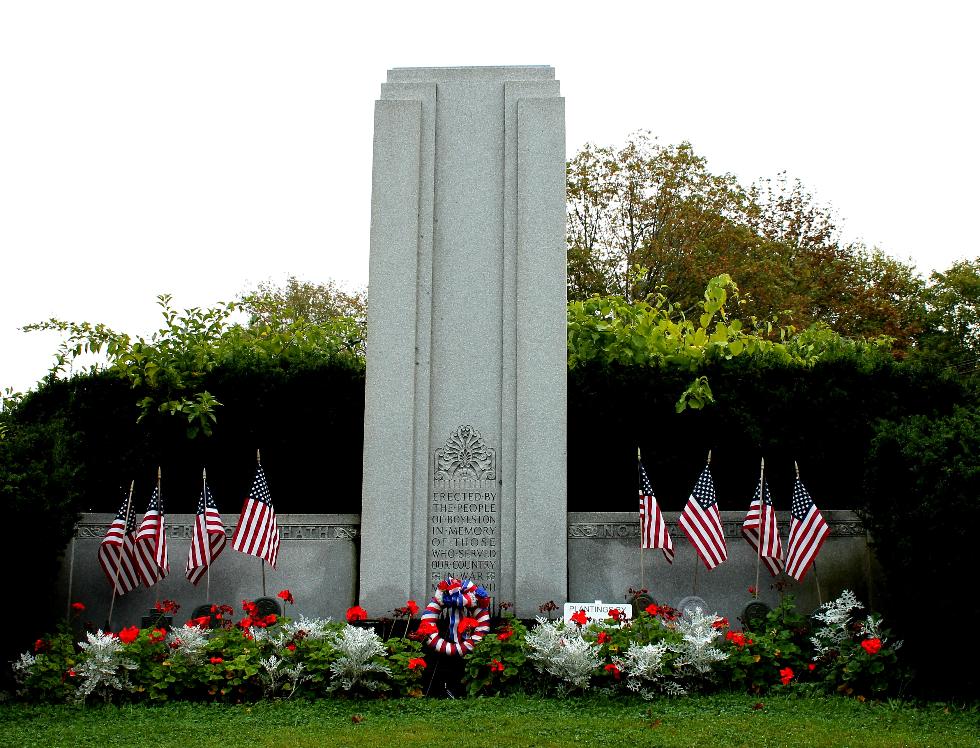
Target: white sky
{"type": "Point", "coordinates": [198, 148]}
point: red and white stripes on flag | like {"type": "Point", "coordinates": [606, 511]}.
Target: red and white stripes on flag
{"type": "Point", "coordinates": [701, 522]}
{"type": "Point", "coordinates": [257, 533]}
{"type": "Point", "coordinates": [653, 529]}
{"type": "Point", "coordinates": [208, 540]}
{"type": "Point", "coordinates": [117, 553]}
{"type": "Point", "coordinates": [760, 522]}
{"type": "Point", "coordinates": [807, 532]}
{"type": "Point", "coordinates": [152, 561]}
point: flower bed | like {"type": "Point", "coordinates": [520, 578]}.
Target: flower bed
{"type": "Point", "coordinates": [661, 651]}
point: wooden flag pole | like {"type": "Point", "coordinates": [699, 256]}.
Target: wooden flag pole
{"type": "Point", "coordinates": [207, 538]}
{"type": "Point", "coordinates": [758, 555]}
{"type": "Point", "coordinates": [71, 572]}
{"type": "Point", "coordinates": [258, 460]}
{"type": "Point", "coordinates": [638, 463]}
{"type": "Point", "coordinates": [122, 549]}
{"type": "Point", "coordinates": [867, 547]}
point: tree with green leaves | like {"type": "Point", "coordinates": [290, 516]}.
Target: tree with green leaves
{"type": "Point", "coordinates": [649, 218]}
{"type": "Point", "coordinates": [952, 318]}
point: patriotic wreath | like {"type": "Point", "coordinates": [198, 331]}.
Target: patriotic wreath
{"type": "Point", "coordinates": [469, 616]}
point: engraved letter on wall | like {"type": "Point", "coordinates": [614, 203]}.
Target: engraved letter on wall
{"type": "Point", "coordinates": [464, 510]}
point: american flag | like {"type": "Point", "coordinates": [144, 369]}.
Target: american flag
{"type": "Point", "coordinates": [653, 529]}
{"type": "Point", "coordinates": [116, 552]}
{"type": "Point", "coordinates": [701, 522]}
{"type": "Point", "coordinates": [208, 540]}
{"type": "Point", "coordinates": [151, 543]}
{"type": "Point", "coordinates": [761, 522]}
{"type": "Point", "coordinates": [257, 533]}
{"type": "Point", "coordinates": [807, 532]}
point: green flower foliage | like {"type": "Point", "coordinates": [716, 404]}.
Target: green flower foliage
{"type": "Point", "coordinates": [496, 664]}
{"type": "Point", "coordinates": [759, 654]}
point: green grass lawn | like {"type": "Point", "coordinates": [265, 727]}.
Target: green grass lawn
{"type": "Point", "coordinates": [725, 720]}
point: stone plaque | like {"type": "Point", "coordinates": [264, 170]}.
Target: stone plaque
{"type": "Point", "coordinates": [464, 510]}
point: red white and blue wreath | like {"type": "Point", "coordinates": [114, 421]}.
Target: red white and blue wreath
{"type": "Point", "coordinates": [468, 615]}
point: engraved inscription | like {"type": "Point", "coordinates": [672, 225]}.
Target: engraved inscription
{"type": "Point", "coordinates": [618, 530]}
{"type": "Point", "coordinates": [286, 531]}
{"type": "Point", "coordinates": [464, 509]}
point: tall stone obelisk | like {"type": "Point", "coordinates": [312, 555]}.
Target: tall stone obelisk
{"type": "Point", "coordinates": [465, 409]}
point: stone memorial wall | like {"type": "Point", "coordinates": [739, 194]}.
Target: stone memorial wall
{"type": "Point", "coordinates": [464, 423]}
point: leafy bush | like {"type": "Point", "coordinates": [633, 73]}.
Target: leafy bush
{"type": "Point", "coordinates": [920, 505]}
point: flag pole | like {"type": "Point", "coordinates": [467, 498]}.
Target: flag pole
{"type": "Point", "coordinates": [258, 460]}
{"type": "Point", "coordinates": [207, 544]}
{"type": "Point", "coordinates": [71, 571]}
{"type": "Point", "coordinates": [638, 463]}
{"type": "Point", "coordinates": [762, 514]}
{"type": "Point", "coordinates": [122, 549]}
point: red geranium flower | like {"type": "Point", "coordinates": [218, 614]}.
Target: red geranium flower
{"type": "Point", "coordinates": [157, 635]}
{"type": "Point", "coordinates": [216, 660]}
{"type": "Point", "coordinates": [175, 644]}
{"type": "Point", "coordinates": [40, 645]}
{"type": "Point", "coordinates": [427, 627]}
{"type": "Point", "coordinates": [603, 638]}
{"type": "Point", "coordinates": [128, 635]}
{"type": "Point", "coordinates": [416, 662]}
{"type": "Point", "coordinates": [71, 672]}
{"type": "Point", "coordinates": [412, 607]}
{"type": "Point", "coordinates": [496, 666]}
{"type": "Point", "coordinates": [356, 613]}
{"type": "Point", "coordinates": [467, 624]}
{"type": "Point", "coordinates": [871, 646]}
{"type": "Point", "coordinates": [720, 623]}
{"type": "Point", "coordinates": [653, 610]}
{"type": "Point", "coordinates": [811, 666]}
{"type": "Point", "coordinates": [77, 607]}
{"type": "Point", "coordinates": [615, 614]}
{"type": "Point", "coordinates": [291, 647]}
{"type": "Point", "coordinates": [737, 638]}
{"type": "Point", "coordinates": [580, 618]}
{"type": "Point", "coordinates": [505, 634]}
{"type": "Point", "coordinates": [611, 668]}
{"type": "Point", "coordinates": [786, 675]}
{"type": "Point", "coordinates": [269, 620]}
{"type": "Point", "coordinates": [285, 596]}
{"type": "Point", "coordinates": [167, 606]}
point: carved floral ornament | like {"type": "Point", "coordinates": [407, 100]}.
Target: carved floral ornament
{"type": "Point", "coordinates": [465, 457]}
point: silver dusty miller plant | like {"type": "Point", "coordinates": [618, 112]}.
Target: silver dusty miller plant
{"type": "Point", "coordinates": [354, 667]}
{"type": "Point", "coordinates": [697, 652]}
{"type": "Point", "coordinates": [189, 642]}
{"type": "Point", "coordinates": [276, 673]}
{"type": "Point", "coordinates": [643, 665]}
{"type": "Point", "coordinates": [837, 627]}
{"type": "Point", "coordinates": [103, 667]}
{"type": "Point", "coordinates": [23, 666]}
{"type": "Point", "coordinates": [305, 628]}
{"type": "Point", "coordinates": [561, 651]}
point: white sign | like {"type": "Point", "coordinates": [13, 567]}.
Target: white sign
{"type": "Point", "coordinates": [597, 611]}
